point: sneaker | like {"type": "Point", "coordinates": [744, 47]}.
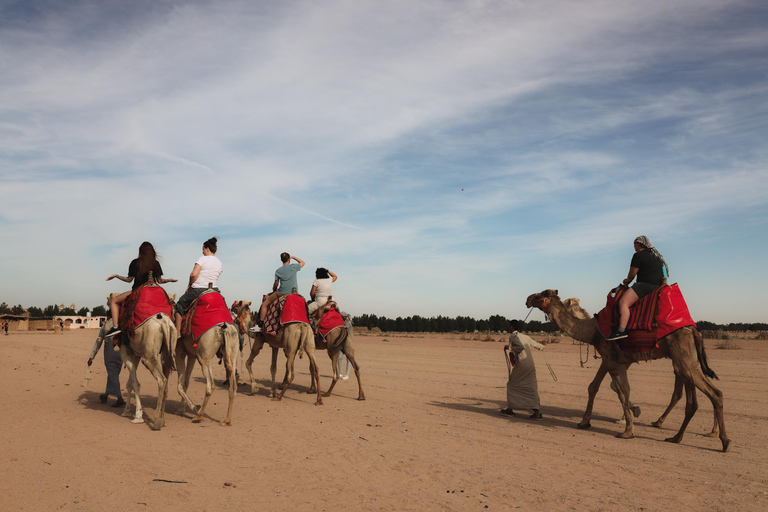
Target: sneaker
{"type": "Point", "coordinates": [119, 403]}
{"type": "Point", "coordinates": [255, 328]}
{"type": "Point", "coordinates": [345, 377]}
{"type": "Point", "coordinates": [616, 335]}
{"type": "Point", "coordinates": [112, 332]}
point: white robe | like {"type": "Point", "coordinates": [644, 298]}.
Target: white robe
{"type": "Point", "coordinates": [522, 388]}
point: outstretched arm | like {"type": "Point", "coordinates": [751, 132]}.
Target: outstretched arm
{"type": "Point", "coordinates": [163, 280]}
{"type": "Point", "coordinates": [127, 279]}
{"type": "Point", "coordinates": [334, 277]}
{"type": "Point", "coordinates": [298, 260]}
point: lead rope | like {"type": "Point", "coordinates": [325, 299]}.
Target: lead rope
{"type": "Point", "coordinates": [586, 360]}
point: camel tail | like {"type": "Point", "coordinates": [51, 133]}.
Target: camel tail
{"type": "Point", "coordinates": [702, 354]}
{"type": "Point", "coordinates": [170, 334]}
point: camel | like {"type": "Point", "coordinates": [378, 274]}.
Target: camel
{"type": "Point", "coordinates": [338, 341]}
{"type": "Point", "coordinates": [684, 347]}
{"type": "Point", "coordinates": [153, 343]}
{"type": "Point", "coordinates": [573, 306]}
{"type": "Point", "coordinates": [294, 337]}
{"type": "Point", "coordinates": [222, 337]}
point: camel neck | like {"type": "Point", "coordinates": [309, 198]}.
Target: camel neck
{"type": "Point", "coordinates": [580, 329]}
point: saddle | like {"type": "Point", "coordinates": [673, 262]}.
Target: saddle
{"type": "Point", "coordinates": [651, 318]}
{"type": "Point", "coordinates": [287, 309]}
{"type": "Point", "coordinates": [329, 319]}
{"type": "Point", "coordinates": [207, 311]}
{"type": "Point", "coordinates": [143, 303]}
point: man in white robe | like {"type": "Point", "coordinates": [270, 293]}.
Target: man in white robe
{"type": "Point", "coordinates": [522, 388]}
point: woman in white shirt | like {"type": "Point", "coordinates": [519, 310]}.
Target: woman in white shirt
{"type": "Point", "coordinates": [322, 288]}
{"type": "Point", "coordinates": [207, 270]}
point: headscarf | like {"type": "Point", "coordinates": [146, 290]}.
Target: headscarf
{"type": "Point", "coordinates": [643, 240]}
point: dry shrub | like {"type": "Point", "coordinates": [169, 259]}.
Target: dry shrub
{"type": "Point", "coordinates": [762, 335]}
{"type": "Point", "coordinates": [727, 344]}
{"type": "Point", "coordinates": [715, 335]}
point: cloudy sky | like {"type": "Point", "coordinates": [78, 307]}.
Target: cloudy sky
{"type": "Point", "coordinates": [442, 157]}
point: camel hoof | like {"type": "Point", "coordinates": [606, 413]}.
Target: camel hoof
{"type": "Point", "coordinates": [672, 440]}
{"type": "Point", "coordinates": [726, 446]}
{"type": "Point", "coordinates": [126, 414]}
{"type": "Point", "coordinates": [197, 419]}
{"type": "Point", "coordinates": [226, 423]}
{"type": "Point", "coordinates": [711, 434]}
{"type": "Point", "coordinates": [319, 402]}
{"type": "Point", "coordinates": [584, 426]}
{"type": "Point", "coordinates": [361, 397]}
{"type": "Point", "coordinates": [137, 420]}
{"type": "Point", "coordinates": [636, 411]}
{"type": "Point", "coordinates": [275, 399]}
{"type": "Point", "coordinates": [625, 435]}
{"type": "Point", "coordinates": [158, 425]}
{"type": "Point", "coordinates": [656, 424]}
{"type": "Point", "coordinates": [326, 395]}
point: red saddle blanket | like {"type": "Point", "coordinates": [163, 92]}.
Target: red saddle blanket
{"type": "Point", "coordinates": [143, 303]}
{"type": "Point", "coordinates": [651, 318]}
{"type": "Point", "coordinates": [331, 320]}
{"type": "Point", "coordinates": [287, 309]}
{"type": "Point", "coordinates": [206, 312]}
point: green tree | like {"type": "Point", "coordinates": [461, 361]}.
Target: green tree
{"type": "Point", "coordinates": [51, 311]}
{"type": "Point", "coordinates": [4, 309]}
{"type": "Point", "coordinates": [99, 311]}
{"type": "Point", "coordinates": [83, 311]}
{"type": "Point", "coordinates": [35, 312]}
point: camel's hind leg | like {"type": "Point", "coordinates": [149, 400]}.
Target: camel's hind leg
{"type": "Point", "coordinates": [349, 351]}
{"type": "Point", "coordinates": [184, 366]}
{"type": "Point", "coordinates": [308, 342]}
{"type": "Point", "coordinates": [208, 374]}
{"type": "Point", "coordinates": [677, 394]}
{"type": "Point", "coordinates": [619, 376]}
{"type": "Point", "coordinates": [230, 361]}
{"type": "Point", "coordinates": [155, 366]}
{"type": "Point", "coordinates": [132, 362]}
{"type": "Point", "coordinates": [334, 355]}
{"type": "Point", "coordinates": [273, 371]}
{"type": "Point", "coordinates": [290, 354]}
{"type": "Point", "coordinates": [593, 388]}
{"type": "Point", "coordinates": [691, 405]}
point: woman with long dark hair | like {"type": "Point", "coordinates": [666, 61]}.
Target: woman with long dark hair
{"type": "Point", "coordinates": [138, 274]}
{"type": "Point", "coordinates": [206, 270]}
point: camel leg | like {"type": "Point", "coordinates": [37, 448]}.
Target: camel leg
{"type": "Point", "coordinates": [132, 387]}
{"type": "Point", "coordinates": [622, 384]}
{"type": "Point", "coordinates": [273, 371]}
{"type": "Point", "coordinates": [154, 365]}
{"type": "Point", "coordinates": [230, 361]}
{"type": "Point", "coordinates": [312, 381]}
{"type": "Point", "coordinates": [335, 365]}
{"type": "Point", "coordinates": [308, 341]}
{"type": "Point", "coordinates": [255, 349]}
{"type": "Point", "coordinates": [593, 388]}
{"type": "Point", "coordinates": [691, 405]}
{"type": "Point", "coordinates": [184, 366]}
{"type": "Point", "coordinates": [632, 407]}
{"type": "Point", "coordinates": [138, 415]}
{"type": "Point", "coordinates": [349, 351]}
{"type": "Point", "coordinates": [208, 374]}
{"type": "Point", "coordinates": [290, 356]}
{"type": "Point", "coordinates": [677, 394]}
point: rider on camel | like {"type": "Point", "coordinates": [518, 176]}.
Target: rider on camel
{"type": "Point", "coordinates": [285, 282]}
{"type": "Point", "coordinates": [207, 269]}
{"type": "Point", "coordinates": [138, 273]}
{"type": "Point", "coordinates": [650, 269]}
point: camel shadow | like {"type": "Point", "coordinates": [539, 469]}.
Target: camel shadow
{"type": "Point", "coordinates": [90, 400]}
{"type": "Point", "coordinates": [480, 407]}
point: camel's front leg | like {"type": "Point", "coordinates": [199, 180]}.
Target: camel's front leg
{"type": "Point", "coordinates": [273, 371]}
{"type": "Point", "coordinates": [350, 353]}
{"type": "Point", "coordinates": [255, 349]}
{"type": "Point", "coordinates": [208, 374]}
{"type": "Point", "coordinates": [230, 361]}
{"type": "Point", "coordinates": [619, 377]}
{"type": "Point", "coordinates": [335, 365]}
{"type": "Point", "coordinates": [132, 363]}
{"type": "Point", "coordinates": [593, 388]}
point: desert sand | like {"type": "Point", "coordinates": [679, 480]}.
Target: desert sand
{"type": "Point", "coordinates": [428, 437]}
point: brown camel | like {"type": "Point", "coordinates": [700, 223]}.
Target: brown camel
{"type": "Point", "coordinates": [222, 337]}
{"type": "Point", "coordinates": [153, 343]}
{"type": "Point", "coordinates": [684, 347]}
{"type": "Point", "coordinates": [295, 337]}
{"type": "Point", "coordinates": [338, 341]}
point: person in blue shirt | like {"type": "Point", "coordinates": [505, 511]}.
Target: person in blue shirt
{"type": "Point", "coordinates": [285, 283]}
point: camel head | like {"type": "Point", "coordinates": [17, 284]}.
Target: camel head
{"type": "Point", "coordinates": [541, 300]}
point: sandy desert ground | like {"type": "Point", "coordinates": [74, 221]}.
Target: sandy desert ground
{"type": "Point", "coordinates": [428, 437]}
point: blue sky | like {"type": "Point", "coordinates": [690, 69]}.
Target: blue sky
{"type": "Point", "coordinates": [441, 157]}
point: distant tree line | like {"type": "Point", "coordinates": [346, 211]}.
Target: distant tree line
{"type": "Point", "coordinates": [441, 323]}
{"type": "Point", "coordinates": [50, 311]}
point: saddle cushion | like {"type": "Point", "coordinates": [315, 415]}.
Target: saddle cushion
{"type": "Point", "coordinates": [206, 312]}
{"type": "Point", "coordinates": [651, 318]}
{"type": "Point", "coordinates": [294, 310]}
{"type": "Point", "coordinates": [331, 320]}
{"type": "Point", "coordinates": [143, 303]}
{"type": "Point", "coordinates": [272, 318]}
